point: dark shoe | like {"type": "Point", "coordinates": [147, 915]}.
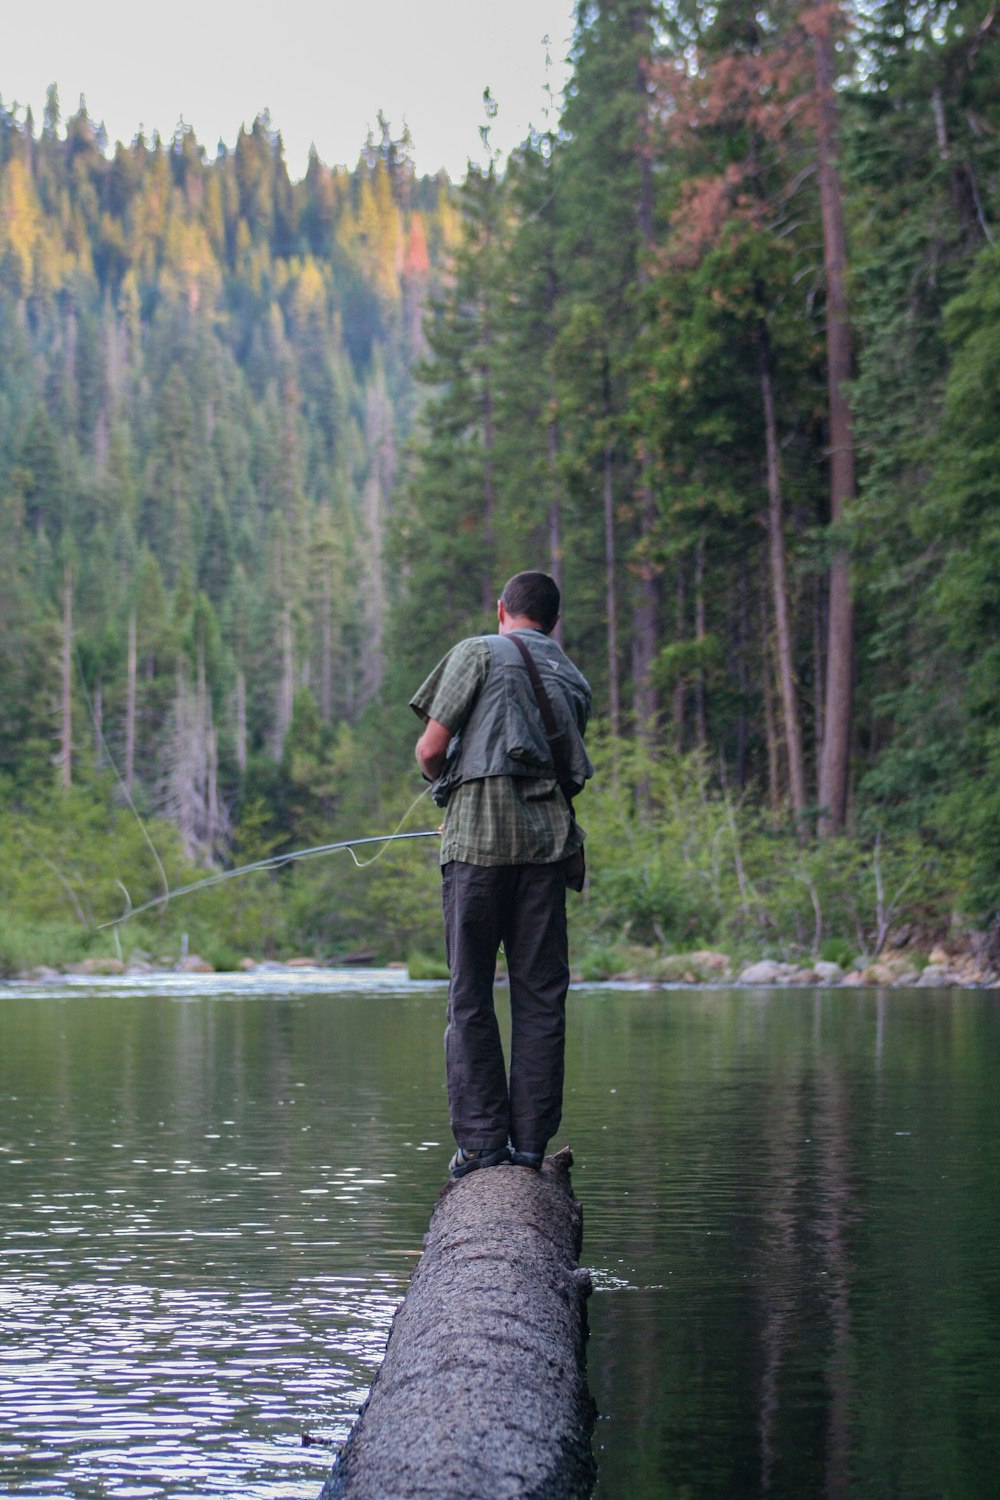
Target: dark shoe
{"type": "Point", "coordinates": [468, 1161]}
{"type": "Point", "coordinates": [532, 1159]}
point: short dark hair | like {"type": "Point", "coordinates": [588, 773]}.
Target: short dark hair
{"type": "Point", "coordinates": [533, 595]}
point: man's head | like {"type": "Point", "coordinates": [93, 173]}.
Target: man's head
{"type": "Point", "coordinates": [532, 598]}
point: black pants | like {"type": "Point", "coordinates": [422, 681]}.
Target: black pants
{"type": "Point", "coordinates": [523, 907]}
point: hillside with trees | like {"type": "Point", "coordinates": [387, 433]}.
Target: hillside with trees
{"type": "Point", "coordinates": [719, 348]}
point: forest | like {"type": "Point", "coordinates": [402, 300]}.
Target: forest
{"type": "Point", "coordinates": [718, 346]}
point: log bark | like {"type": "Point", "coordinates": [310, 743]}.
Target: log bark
{"type": "Point", "coordinates": [482, 1394]}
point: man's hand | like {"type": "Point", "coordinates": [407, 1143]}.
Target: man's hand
{"type": "Point", "coordinates": [432, 747]}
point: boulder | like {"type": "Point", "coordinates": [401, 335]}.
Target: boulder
{"type": "Point", "coordinates": [703, 966]}
{"type": "Point", "coordinates": [766, 971]}
{"type": "Point", "coordinates": [939, 976]}
{"type": "Point", "coordinates": [100, 966]}
{"type": "Point", "coordinates": [194, 964]}
{"type": "Point", "coordinates": [708, 961]}
{"type": "Point", "coordinates": [828, 973]}
{"type": "Point", "coordinates": [891, 969]}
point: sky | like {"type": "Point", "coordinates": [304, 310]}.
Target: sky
{"type": "Point", "coordinates": [324, 68]}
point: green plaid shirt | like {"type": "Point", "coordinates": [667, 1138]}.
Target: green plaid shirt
{"type": "Point", "coordinates": [500, 820]}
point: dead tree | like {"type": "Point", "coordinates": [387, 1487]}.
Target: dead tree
{"type": "Point", "coordinates": [482, 1394]}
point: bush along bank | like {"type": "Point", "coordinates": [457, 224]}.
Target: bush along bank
{"type": "Point", "coordinates": [688, 883]}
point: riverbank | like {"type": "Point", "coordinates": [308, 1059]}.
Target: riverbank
{"type": "Point", "coordinates": [941, 968]}
{"type": "Point", "coordinates": [970, 965]}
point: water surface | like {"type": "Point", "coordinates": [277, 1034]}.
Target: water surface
{"type": "Point", "coordinates": [212, 1192]}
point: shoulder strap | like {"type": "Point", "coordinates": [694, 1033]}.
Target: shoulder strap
{"type": "Point", "coordinates": [557, 743]}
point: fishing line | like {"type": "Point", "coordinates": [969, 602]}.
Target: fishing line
{"type": "Point", "coordinates": [277, 861]}
{"type": "Point", "coordinates": [273, 862]}
{"type": "Point", "coordinates": [363, 864]}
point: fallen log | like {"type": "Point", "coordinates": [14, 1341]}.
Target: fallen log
{"type": "Point", "coordinates": [482, 1394]}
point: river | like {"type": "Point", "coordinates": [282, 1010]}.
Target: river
{"type": "Point", "coordinates": [213, 1189]}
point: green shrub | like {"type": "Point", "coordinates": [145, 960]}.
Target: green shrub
{"type": "Point", "coordinates": [426, 966]}
{"type": "Point", "coordinates": [28, 945]}
{"type": "Point", "coordinates": [837, 951]}
{"type": "Point", "coordinates": [601, 963]}
{"type": "Point", "coordinates": [676, 863]}
{"type": "Point", "coordinates": [221, 956]}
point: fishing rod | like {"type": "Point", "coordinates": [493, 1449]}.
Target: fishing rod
{"type": "Point", "coordinates": [273, 862]}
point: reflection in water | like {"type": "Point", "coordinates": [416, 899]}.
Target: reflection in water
{"type": "Point", "coordinates": [201, 1244]}
{"type": "Point", "coordinates": [796, 1232]}
{"type": "Point", "coordinates": [211, 1196]}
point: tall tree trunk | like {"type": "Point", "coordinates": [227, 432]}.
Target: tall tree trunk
{"type": "Point", "coordinates": [241, 719]}
{"type": "Point", "coordinates": [770, 728]}
{"type": "Point", "coordinates": [647, 606]}
{"type": "Point", "coordinates": [215, 818]}
{"type": "Point", "coordinates": [489, 583]}
{"type": "Point", "coordinates": [679, 685]}
{"type": "Point", "coordinates": [645, 614]}
{"type": "Point", "coordinates": [130, 701]}
{"type": "Point", "coordinates": [555, 536]}
{"type": "Point", "coordinates": [326, 652]}
{"type": "Point", "coordinates": [611, 593]}
{"type": "Point", "coordinates": [840, 642]}
{"type": "Point", "coordinates": [286, 684]}
{"type": "Point", "coordinates": [743, 672]}
{"type": "Point", "coordinates": [552, 435]}
{"type": "Point", "coordinates": [776, 545]}
{"type": "Point", "coordinates": [700, 717]}
{"type": "Point", "coordinates": [202, 700]}
{"type": "Point", "coordinates": [374, 600]}
{"type": "Point", "coordinates": [98, 723]}
{"type": "Point", "coordinates": [66, 745]}
{"type": "Point", "coordinates": [555, 522]}
{"type": "Point", "coordinates": [377, 490]}
{"type": "Point", "coordinates": [819, 656]}
{"type": "Point", "coordinates": [182, 769]}
{"type": "Point", "coordinates": [203, 777]}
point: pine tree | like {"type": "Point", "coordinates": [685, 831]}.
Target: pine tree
{"type": "Point", "coordinates": [606, 233]}
{"type": "Point", "coordinates": [446, 534]}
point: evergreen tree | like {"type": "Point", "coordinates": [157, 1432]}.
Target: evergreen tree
{"type": "Point", "coordinates": [446, 533]}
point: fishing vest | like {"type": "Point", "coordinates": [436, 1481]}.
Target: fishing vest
{"type": "Point", "coordinates": [504, 735]}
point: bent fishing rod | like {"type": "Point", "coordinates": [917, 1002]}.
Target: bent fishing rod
{"type": "Point", "coordinates": [273, 862]}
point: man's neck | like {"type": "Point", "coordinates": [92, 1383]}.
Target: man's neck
{"type": "Point", "coordinates": [518, 622]}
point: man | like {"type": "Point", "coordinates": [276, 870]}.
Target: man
{"type": "Point", "coordinates": [509, 843]}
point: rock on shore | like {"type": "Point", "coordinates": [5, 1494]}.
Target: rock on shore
{"type": "Point", "coordinates": [974, 965]}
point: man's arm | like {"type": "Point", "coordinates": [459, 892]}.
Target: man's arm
{"type": "Point", "coordinates": [448, 695]}
{"type": "Point", "coordinates": [432, 747]}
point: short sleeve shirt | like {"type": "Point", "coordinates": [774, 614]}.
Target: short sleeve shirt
{"type": "Point", "coordinates": [499, 820]}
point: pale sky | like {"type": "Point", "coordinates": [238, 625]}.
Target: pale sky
{"type": "Point", "coordinates": [323, 69]}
